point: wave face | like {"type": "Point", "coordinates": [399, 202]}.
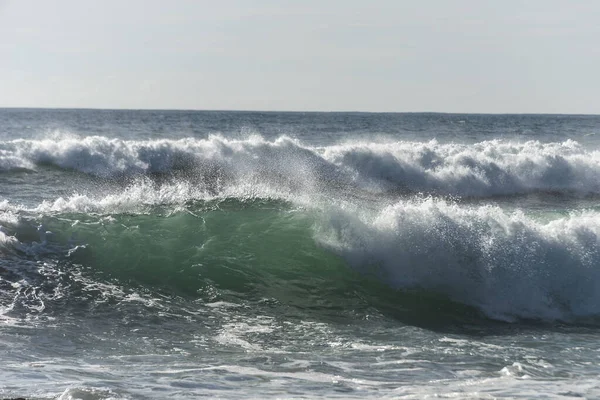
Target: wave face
{"type": "Point", "coordinates": [505, 264]}
{"type": "Point", "coordinates": [483, 169]}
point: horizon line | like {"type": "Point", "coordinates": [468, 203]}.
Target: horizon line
{"type": "Point", "coordinates": [291, 111]}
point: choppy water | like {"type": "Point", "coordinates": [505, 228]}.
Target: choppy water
{"type": "Point", "coordinates": [154, 254]}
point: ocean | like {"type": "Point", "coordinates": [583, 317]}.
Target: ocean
{"type": "Point", "coordinates": [182, 254]}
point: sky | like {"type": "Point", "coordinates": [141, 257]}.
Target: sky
{"type": "Point", "coordinates": [480, 56]}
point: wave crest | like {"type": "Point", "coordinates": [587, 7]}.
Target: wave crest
{"type": "Point", "coordinates": [483, 169]}
{"type": "Point", "coordinates": [506, 264]}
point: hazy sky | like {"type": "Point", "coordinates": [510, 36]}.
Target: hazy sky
{"type": "Point", "coordinates": [387, 55]}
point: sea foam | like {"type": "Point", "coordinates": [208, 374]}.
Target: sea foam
{"type": "Point", "coordinates": [506, 264]}
{"type": "Point", "coordinates": [486, 168]}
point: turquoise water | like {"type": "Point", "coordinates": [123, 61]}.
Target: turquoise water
{"type": "Point", "coordinates": [153, 254]}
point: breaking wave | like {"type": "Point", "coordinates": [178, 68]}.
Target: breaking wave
{"type": "Point", "coordinates": [488, 168]}
{"type": "Point", "coordinates": [507, 265]}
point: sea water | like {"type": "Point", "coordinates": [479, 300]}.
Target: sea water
{"type": "Point", "coordinates": [156, 254]}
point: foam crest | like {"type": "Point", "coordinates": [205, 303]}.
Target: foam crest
{"type": "Point", "coordinates": [107, 156]}
{"type": "Point", "coordinates": [487, 168]}
{"type": "Point", "coordinates": [8, 213]}
{"type": "Point", "coordinates": [144, 194]}
{"type": "Point", "coordinates": [506, 264]}
{"type": "Point", "coordinates": [6, 240]}
{"type": "Point", "coordinates": [482, 169]}
{"type": "Point", "coordinates": [133, 199]}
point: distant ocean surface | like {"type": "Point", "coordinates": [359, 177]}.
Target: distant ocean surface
{"type": "Point", "coordinates": [177, 254]}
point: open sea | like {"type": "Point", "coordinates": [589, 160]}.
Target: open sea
{"type": "Point", "coordinates": [184, 254]}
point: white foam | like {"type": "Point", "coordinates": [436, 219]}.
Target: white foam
{"type": "Point", "coordinates": [7, 241]}
{"type": "Point", "coordinates": [8, 213]}
{"type": "Point", "coordinates": [506, 264]}
{"type": "Point", "coordinates": [132, 199]}
{"type": "Point", "coordinates": [482, 169]}
{"type": "Point", "coordinates": [138, 197]}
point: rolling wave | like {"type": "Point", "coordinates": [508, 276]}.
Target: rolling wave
{"type": "Point", "coordinates": [488, 168]}
{"type": "Point", "coordinates": [507, 265]}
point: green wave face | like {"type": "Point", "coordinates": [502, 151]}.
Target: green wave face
{"type": "Point", "coordinates": [407, 260]}
{"type": "Point", "coordinates": [257, 250]}
{"type": "Point", "coordinates": [256, 253]}
{"type": "Point", "coordinates": [236, 246]}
